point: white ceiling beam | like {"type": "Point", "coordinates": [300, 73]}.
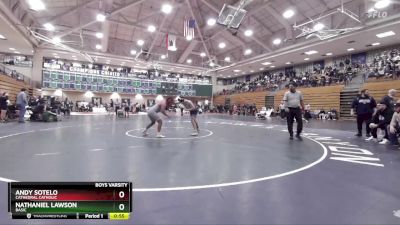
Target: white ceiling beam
{"type": "Point", "coordinates": [70, 11]}
{"type": "Point", "coordinates": [281, 20]}
{"type": "Point", "coordinates": [115, 12]}
{"type": "Point", "coordinates": [187, 51]}
{"type": "Point", "coordinates": [105, 26]}
{"type": "Point", "coordinates": [198, 30]}
{"type": "Point", "coordinates": [156, 36]}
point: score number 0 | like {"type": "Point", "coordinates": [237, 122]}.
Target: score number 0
{"type": "Point", "coordinates": [121, 194]}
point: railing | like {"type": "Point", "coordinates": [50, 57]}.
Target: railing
{"type": "Point", "coordinates": [4, 70]}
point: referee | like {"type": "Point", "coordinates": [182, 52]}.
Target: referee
{"type": "Point", "coordinates": [293, 101]}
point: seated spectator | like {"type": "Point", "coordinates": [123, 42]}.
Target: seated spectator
{"type": "Point", "coordinates": [381, 120]}
{"type": "Point", "coordinates": [394, 127]}
{"type": "Point", "coordinates": [322, 114]}
{"type": "Point", "coordinates": [332, 114]}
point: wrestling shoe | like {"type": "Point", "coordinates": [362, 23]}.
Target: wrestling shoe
{"type": "Point", "coordinates": [372, 139]}
{"type": "Point", "coordinates": [194, 134]}
{"type": "Point", "coordinates": [160, 136]}
{"type": "Point", "coordinates": [358, 135]}
{"type": "Point", "coordinates": [145, 133]}
{"type": "Point", "coordinates": [384, 141]}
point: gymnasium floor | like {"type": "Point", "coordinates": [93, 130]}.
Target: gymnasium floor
{"type": "Point", "coordinates": [238, 171]}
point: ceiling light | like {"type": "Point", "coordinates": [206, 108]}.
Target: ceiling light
{"type": "Point", "coordinates": [36, 5]}
{"type": "Point", "coordinates": [98, 46]}
{"type": "Point", "coordinates": [375, 44]}
{"type": "Point", "coordinates": [151, 28]}
{"type": "Point", "coordinates": [2, 37]}
{"type": "Point", "coordinates": [166, 8]}
{"type": "Point", "coordinates": [17, 52]}
{"type": "Point", "coordinates": [49, 26]}
{"type": "Point", "coordinates": [73, 56]}
{"type": "Point", "coordinates": [329, 53]}
{"type": "Point", "coordinates": [350, 49]}
{"type": "Point", "coordinates": [140, 42]}
{"type": "Point", "coordinates": [236, 71]}
{"type": "Point", "coordinates": [222, 45]}
{"type": "Point", "coordinates": [261, 68]}
{"type": "Point", "coordinates": [12, 49]}
{"type": "Point", "coordinates": [266, 63]}
{"type": "Point", "coordinates": [306, 59]}
{"type": "Point", "coordinates": [55, 54]}
{"type": "Point", "coordinates": [189, 61]}
{"type": "Point", "coordinates": [100, 17]}
{"type": "Point", "coordinates": [99, 35]}
{"type": "Point", "coordinates": [371, 10]}
{"type": "Point", "coordinates": [57, 57]}
{"type": "Point", "coordinates": [189, 38]}
{"type": "Point", "coordinates": [133, 52]}
{"type": "Point", "coordinates": [319, 26]}
{"type": "Point", "coordinates": [277, 41]}
{"type": "Point", "coordinates": [272, 66]}
{"type": "Point", "coordinates": [288, 13]}
{"type": "Point", "coordinates": [311, 52]}
{"type": "Point", "coordinates": [288, 63]}
{"type": "Point", "coordinates": [248, 51]}
{"type": "Point", "coordinates": [203, 54]}
{"type": "Point", "coordinates": [212, 64]}
{"type": "Point", "coordinates": [251, 71]}
{"type": "Point", "coordinates": [56, 40]}
{"type": "Point", "coordinates": [385, 34]}
{"type": "Point", "coordinates": [211, 22]}
{"type": "Point", "coordinates": [248, 33]}
{"type": "Point", "coordinates": [163, 56]}
{"type": "Point", "coordinates": [227, 59]}
{"type": "Point", "coordinates": [382, 4]}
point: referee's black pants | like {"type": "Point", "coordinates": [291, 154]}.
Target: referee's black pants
{"type": "Point", "coordinates": [294, 113]}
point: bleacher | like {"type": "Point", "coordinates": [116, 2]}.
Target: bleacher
{"type": "Point", "coordinates": [318, 97]}
{"type": "Point", "coordinates": [13, 87]}
{"type": "Point", "coordinates": [380, 89]}
{"type": "Point", "coordinates": [257, 98]}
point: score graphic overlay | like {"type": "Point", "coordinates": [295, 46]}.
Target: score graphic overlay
{"type": "Point", "coordinates": [70, 200]}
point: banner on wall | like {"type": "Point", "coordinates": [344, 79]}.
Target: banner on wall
{"type": "Point", "coordinates": [359, 58]}
{"type": "Point", "coordinates": [319, 65]}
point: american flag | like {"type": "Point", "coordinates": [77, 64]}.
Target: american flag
{"type": "Point", "coordinates": [188, 28]}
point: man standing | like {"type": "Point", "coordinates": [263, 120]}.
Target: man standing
{"type": "Point", "coordinates": [293, 102]}
{"type": "Point", "coordinates": [21, 104]}
{"type": "Point", "coordinates": [364, 106]}
{"type": "Point", "coordinates": [381, 120]}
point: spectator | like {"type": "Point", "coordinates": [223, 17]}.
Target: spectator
{"type": "Point", "coordinates": [381, 120]}
{"type": "Point", "coordinates": [3, 106]}
{"type": "Point", "coordinates": [307, 113]}
{"type": "Point", "coordinates": [394, 127]}
{"type": "Point", "coordinates": [390, 98]}
{"type": "Point", "coordinates": [21, 104]}
{"type": "Point", "coordinates": [364, 106]}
